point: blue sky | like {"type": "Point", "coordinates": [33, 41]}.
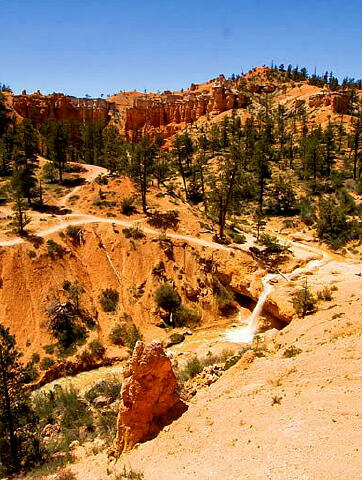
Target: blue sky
{"type": "Point", "coordinates": [102, 46]}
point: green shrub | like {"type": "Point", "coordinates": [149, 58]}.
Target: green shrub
{"type": "Point", "coordinates": [66, 327]}
{"type": "Point", "coordinates": [128, 337]}
{"type": "Point", "coordinates": [55, 250]}
{"type": "Point", "coordinates": [224, 298]}
{"type": "Point", "coordinates": [50, 172]}
{"type": "Point", "coordinates": [133, 232]}
{"type": "Point", "coordinates": [127, 206]}
{"type": "Point", "coordinates": [304, 301]}
{"type": "Point", "coordinates": [109, 299]}
{"type": "Point", "coordinates": [186, 317]}
{"type": "Point", "coordinates": [164, 220]}
{"type": "Point", "coordinates": [102, 180]}
{"type": "Point", "coordinates": [31, 372]}
{"type": "Point", "coordinates": [31, 253]}
{"type": "Point", "coordinates": [192, 368]}
{"type": "Point", "coordinates": [46, 363]}
{"type": "Point", "coordinates": [307, 211]}
{"type": "Point", "coordinates": [49, 349]}
{"type": "Point", "coordinates": [133, 336]}
{"type": "Point", "coordinates": [239, 238]}
{"type": "Point", "coordinates": [68, 409]}
{"type": "Point", "coordinates": [97, 349]}
{"type": "Point", "coordinates": [118, 335]}
{"type": "Point", "coordinates": [107, 388]}
{"type": "Point", "coordinates": [282, 196]}
{"type": "Point", "coordinates": [333, 225]}
{"type": "Point", "coordinates": [167, 298]}
{"type": "Point", "coordinates": [35, 358]}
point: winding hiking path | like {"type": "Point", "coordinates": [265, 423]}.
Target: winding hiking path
{"type": "Point", "coordinates": [244, 334]}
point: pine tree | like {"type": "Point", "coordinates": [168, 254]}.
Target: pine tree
{"type": "Point", "coordinates": [329, 148]}
{"type": "Point", "coordinates": [179, 154]}
{"type": "Point", "coordinates": [222, 184]}
{"type": "Point", "coordinates": [142, 163]}
{"type": "Point", "coordinates": [19, 445]}
{"type": "Point", "coordinates": [4, 117]}
{"type": "Point", "coordinates": [113, 153]}
{"type": "Point", "coordinates": [58, 148]}
{"type": "Point", "coordinates": [356, 137]}
{"type": "Point", "coordinates": [26, 161]}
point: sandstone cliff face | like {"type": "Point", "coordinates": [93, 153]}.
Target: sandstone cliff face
{"type": "Point", "coordinates": [164, 114]}
{"type": "Point", "coordinates": [149, 398]}
{"type": "Point", "coordinates": [61, 107]}
{"type": "Point", "coordinates": [338, 102]}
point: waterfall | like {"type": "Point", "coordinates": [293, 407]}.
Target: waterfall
{"type": "Point", "coordinates": [246, 334]}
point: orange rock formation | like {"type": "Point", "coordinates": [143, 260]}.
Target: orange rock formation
{"type": "Point", "coordinates": [61, 107]}
{"type": "Point", "coordinates": [149, 398]}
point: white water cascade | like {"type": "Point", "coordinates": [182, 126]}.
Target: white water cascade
{"type": "Point", "coordinates": [246, 333]}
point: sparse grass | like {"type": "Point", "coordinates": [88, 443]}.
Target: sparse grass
{"type": "Point", "coordinates": [66, 474]}
{"type": "Point", "coordinates": [325, 294]}
{"type": "Point", "coordinates": [276, 400]}
{"type": "Point", "coordinates": [291, 351]}
{"type": "Point", "coordinates": [195, 365]}
{"type": "Point", "coordinates": [128, 475]}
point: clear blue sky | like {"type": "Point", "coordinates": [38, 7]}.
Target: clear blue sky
{"type": "Point", "coordinates": [101, 46]}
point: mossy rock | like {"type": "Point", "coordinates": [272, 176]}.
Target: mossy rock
{"type": "Point", "coordinates": [174, 339]}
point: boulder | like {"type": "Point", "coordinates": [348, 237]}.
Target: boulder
{"type": "Point", "coordinates": [149, 398]}
{"type": "Point", "coordinates": [174, 339]}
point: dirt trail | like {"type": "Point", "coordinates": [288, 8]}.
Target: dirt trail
{"type": "Point", "coordinates": [313, 257]}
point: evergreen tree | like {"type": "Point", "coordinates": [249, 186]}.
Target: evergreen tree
{"type": "Point", "coordinates": [329, 148]}
{"type": "Point", "coordinates": [142, 163]}
{"type": "Point", "coordinates": [356, 138]}
{"type": "Point", "coordinates": [19, 445]}
{"type": "Point", "coordinates": [58, 148]}
{"type": "Point", "coordinates": [113, 153]}
{"type": "Point", "coordinates": [4, 117]}
{"type": "Point", "coordinates": [222, 184]}
{"type": "Point", "coordinates": [179, 154]}
{"type": "Point", "coordinates": [26, 161]}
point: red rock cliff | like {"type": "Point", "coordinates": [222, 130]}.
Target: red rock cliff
{"type": "Point", "coordinates": [61, 107]}
{"type": "Point", "coordinates": [166, 113]}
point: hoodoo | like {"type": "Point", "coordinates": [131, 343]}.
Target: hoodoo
{"type": "Point", "coordinates": [149, 398]}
